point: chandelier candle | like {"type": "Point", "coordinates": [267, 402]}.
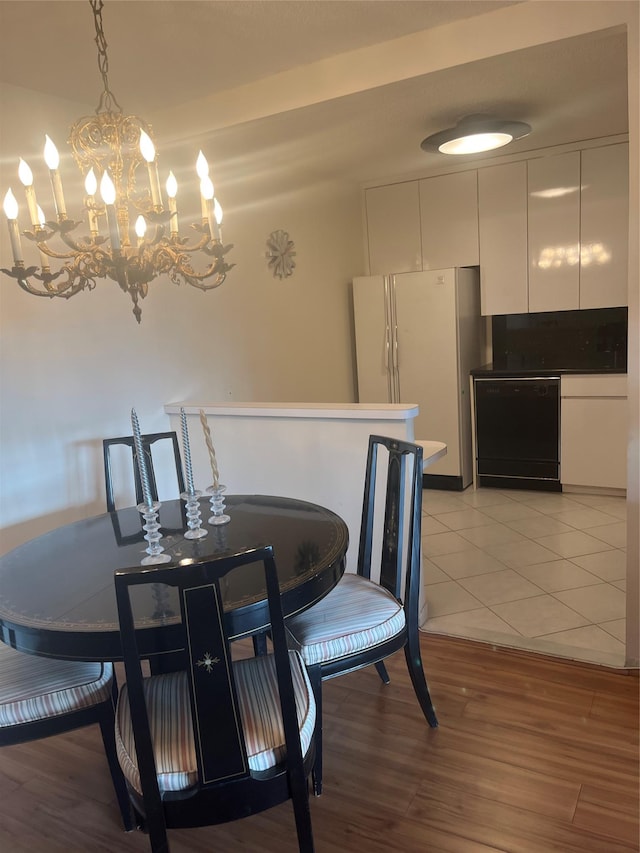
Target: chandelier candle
{"type": "Point", "coordinates": [52, 159]}
{"type": "Point", "coordinates": [187, 452]}
{"type": "Point", "coordinates": [11, 212]}
{"type": "Point", "coordinates": [142, 462]}
{"type": "Point", "coordinates": [212, 453]}
{"type": "Point", "coordinates": [26, 179]}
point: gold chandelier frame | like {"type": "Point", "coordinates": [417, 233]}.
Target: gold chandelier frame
{"type": "Point", "coordinates": [109, 148]}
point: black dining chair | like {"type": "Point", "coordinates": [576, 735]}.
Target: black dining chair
{"type": "Point", "coordinates": [148, 441]}
{"type": "Point", "coordinates": [374, 613]}
{"type": "Point", "coordinates": [221, 739]}
{"type": "Point", "coordinates": [41, 697]}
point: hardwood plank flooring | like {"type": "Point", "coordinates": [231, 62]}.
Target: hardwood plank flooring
{"type": "Point", "coordinates": [532, 755]}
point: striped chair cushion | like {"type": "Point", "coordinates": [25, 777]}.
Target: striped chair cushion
{"type": "Point", "coordinates": [34, 688]}
{"type": "Point", "coordinates": [167, 698]}
{"type": "Point", "coordinates": [356, 615]}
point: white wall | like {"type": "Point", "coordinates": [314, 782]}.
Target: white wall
{"type": "Point", "coordinates": [70, 371]}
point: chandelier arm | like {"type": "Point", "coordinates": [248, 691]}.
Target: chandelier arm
{"type": "Point", "coordinates": [66, 289]}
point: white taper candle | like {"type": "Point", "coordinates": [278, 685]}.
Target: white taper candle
{"type": "Point", "coordinates": [186, 449]}
{"type": "Point", "coordinates": [142, 462]}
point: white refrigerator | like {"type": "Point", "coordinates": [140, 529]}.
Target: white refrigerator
{"type": "Point", "coordinates": [418, 335]}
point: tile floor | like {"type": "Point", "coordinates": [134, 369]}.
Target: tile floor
{"type": "Point", "coordinates": [535, 570]}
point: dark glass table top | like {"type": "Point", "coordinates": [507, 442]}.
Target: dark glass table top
{"type": "Point", "coordinates": [57, 593]}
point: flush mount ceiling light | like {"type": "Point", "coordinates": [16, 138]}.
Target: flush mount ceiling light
{"type": "Point", "coordinates": [108, 148]}
{"type": "Point", "coordinates": [475, 133]}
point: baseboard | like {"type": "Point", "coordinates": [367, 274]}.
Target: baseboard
{"type": "Point", "coordinates": [444, 482]}
{"type": "Point", "coordinates": [519, 483]}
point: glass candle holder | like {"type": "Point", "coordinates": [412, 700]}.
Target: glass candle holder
{"type": "Point", "coordinates": [152, 535]}
{"type": "Point", "coordinates": [216, 500]}
{"type": "Point", "coordinates": [195, 531]}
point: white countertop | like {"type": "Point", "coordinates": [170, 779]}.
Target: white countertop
{"type": "Point", "coordinates": [350, 411]}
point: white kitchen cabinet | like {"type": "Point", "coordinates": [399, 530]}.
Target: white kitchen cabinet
{"type": "Point", "coordinates": [449, 218]}
{"type": "Point", "coordinates": [393, 228]}
{"type": "Point", "coordinates": [604, 238]}
{"type": "Point", "coordinates": [593, 431]}
{"type": "Point", "coordinates": [553, 209]}
{"type": "Point", "coordinates": [502, 207]}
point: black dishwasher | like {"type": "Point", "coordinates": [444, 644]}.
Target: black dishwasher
{"type": "Point", "coordinates": [518, 432]}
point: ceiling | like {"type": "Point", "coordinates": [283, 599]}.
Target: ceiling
{"type": "Point", "coordinates": [163, 53]}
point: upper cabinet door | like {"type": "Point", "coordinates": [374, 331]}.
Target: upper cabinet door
{"type": "Point", "coordinates": [502, 205]}
{"type": "Point", "coordinates": [554, 232]}
{"type": "Point", "coordinates": [604, 238]}
{"type": "Point", "coordinates": [449, 216]}
{"type": "Point", "coordinates": [393, 228]}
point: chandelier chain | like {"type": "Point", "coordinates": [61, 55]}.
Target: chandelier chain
{"type": "Point", "coordinates": [108, 102]}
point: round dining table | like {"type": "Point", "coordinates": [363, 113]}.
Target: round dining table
{"type": "Point", "coordinates": [57, 596]}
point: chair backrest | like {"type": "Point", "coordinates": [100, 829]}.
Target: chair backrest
{"type": "Point", "coordinates": [391, 526]}
{"type": "Point", "coordinates": [219, 737]}
{"type": "Point", "coordinates": [147, 441]}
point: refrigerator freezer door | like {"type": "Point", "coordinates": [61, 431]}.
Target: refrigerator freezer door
{"type": "Point", "coordinates": [374, 354]}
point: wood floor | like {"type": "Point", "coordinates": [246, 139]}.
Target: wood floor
{"type": "Point", "coordinates": [532, 755]}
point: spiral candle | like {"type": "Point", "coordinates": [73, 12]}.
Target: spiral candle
{"type": "Point", "coordinates": [142, 462]}
{"type": "Point", "coordinates": [212, 453]}
{"type": "Point", "coordinates": [186, 449]}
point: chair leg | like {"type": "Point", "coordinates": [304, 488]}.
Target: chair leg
{"type": "Point", "coordinates": [260, 644]}
{"type": "Point", "coordinates": [315, 677]}
{"type": "Point", "coordinates": [107, 730]}
{"type": "Point", "coordinates": [382, 672]}
{"type": "Point", "coordinates": [414, 665]}
{"type": "Point", "coordinates": [302, 813]}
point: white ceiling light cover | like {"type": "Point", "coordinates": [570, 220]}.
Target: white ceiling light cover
{"type": "Point", "coordinates": [475, 133]}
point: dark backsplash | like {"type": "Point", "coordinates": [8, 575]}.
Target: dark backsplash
{"type": "Point", "coordinates": [595, 339]}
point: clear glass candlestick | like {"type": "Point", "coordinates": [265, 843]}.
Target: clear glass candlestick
{"type": "Point", "coordinates": [216, 501]}
{"type": "Point", "coordinates": [195, 531]}
{"type": "Point", "coordinates": [152, 535]}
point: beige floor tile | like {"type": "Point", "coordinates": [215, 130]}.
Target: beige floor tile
{"type": "Point", "coordinates": [463, 519]}
{"type": "Point", "coordinates": [600, 603]}
{"type": "Point", "coordinates": [431, 525]}
{"type": "Point", "coordinates": [606, 503]}
{"type": "Point", "coordinates": [608, 565]}
{"type": "Point", "coordinates": [509, 512]}
{"type": "Point", "coordinates": [534, 617]}
{"type": "Point", "coordinates": [620, 584]}
{"type": "Point", "coordinates": [548, 502]}
{"type": "Point", "coordinates": [449, 597]}
{"type": "Point", "coordinates": [469, 623]}
{"type": "Point", "coordinates": [612, 534]}
{"type": "Point", "coordinates": [445, 543]}
{"type": "Point", "coordinates": [436, 502]}
{"type": "Point", "coordinates": [583, 518]}
{"type": "Point", "coordinates": [618, 511]}
{"type": "Point", "coordinates": [617, 628]}
{"type": "Point", "coordinates": [573, 544]}
{"type": "Point", "coordinates": [541, 525]}
{"type": "Point", "coordinates": [498, 587]}
{"type": "Point", "coordinates": [491, 534]}
{"type": "Point", "coordinates": [560, 574]}
{"type": "Point", "coordinates": [484, 497]}
{"type": "Point", "coordinates": [431, 573]}
{"type": "Point", "coordinates": [466, 564]}
{"type": "Point", "coordinates": [523, 552]}
{"type": "Point", "coordinates": [589, 637]}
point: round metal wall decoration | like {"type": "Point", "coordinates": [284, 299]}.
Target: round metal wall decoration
{"type": "Point", "coordinates": [280, 253]}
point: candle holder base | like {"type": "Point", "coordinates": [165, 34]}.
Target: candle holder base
{"type": "Point", "coordinates": [216, 501]}
{"type": "Point", "coordinates": [153, 535]}
{"type": "Point", "coordinates": [195, 531]}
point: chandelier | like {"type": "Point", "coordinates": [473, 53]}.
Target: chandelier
{"type": "Point", "coordinates": [109, 148]}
